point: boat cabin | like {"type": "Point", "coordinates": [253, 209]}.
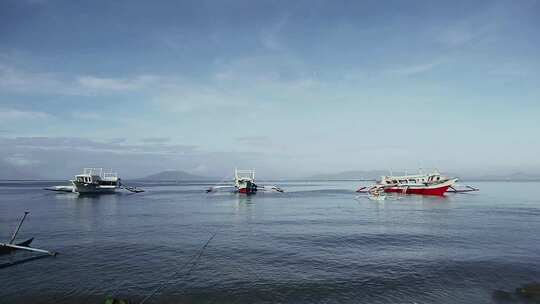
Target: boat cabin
{"type": "Point", "coordinates": [417, 179]}
{"type": "Point", "coordinates": [97, 176]}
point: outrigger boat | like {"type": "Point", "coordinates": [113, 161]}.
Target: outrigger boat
{"type": "Point", "coordinates": [95, 181]}
{"type": "Point", "coordinates": [424, 184]}
{"type": "Point", "coordinates": [10, 247]}
{"type": "Point", "coordinates": [244, 182]}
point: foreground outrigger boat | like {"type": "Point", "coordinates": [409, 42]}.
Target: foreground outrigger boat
{"type": "Point", "coordinates": [10, 247]}
{"type": "Point", "coordinates": [244, 182]}
{"type": "Point", "coordinates": [424, 184]}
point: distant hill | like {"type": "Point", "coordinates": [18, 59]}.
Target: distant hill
{"type": "Point", "coordinates": [367, 175]}
{"type": "Point", "coordinates": [175, 175]}
{"type": "Point", "coordinates": [354, 175]}
{"type": "Point", "coordinates": [518, 176]}
{"type": "Point", "coordinates": [376, 174]}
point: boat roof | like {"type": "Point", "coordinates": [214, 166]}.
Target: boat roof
{"type": "Point", "coordinates": [244, 174]}
{"type": "Point", "coordinates": [414, 176]}
{"type": "Point", "coordinates": [98, 172]}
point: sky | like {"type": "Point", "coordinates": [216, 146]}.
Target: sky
{"type": "Point", "coordinates": [289, 88]}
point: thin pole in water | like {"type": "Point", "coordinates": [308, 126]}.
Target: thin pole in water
{"type": "Point", "coordinates": [193, 262]}
{"type": "Point", "coordinates": [18, 227]}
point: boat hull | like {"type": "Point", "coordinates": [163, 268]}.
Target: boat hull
{"type": "Point", "coordinates": [421, 191]}
{"type": "Point", "coordinates": [246, 187]}
{"type": "Point", "coordinates": [83, 188]}
{"type": "Point", "coordinates": [247, 190]}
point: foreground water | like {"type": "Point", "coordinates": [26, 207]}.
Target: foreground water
{"type": "Point", "coordinates": [313, 244]}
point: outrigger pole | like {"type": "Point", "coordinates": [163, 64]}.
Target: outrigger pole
{"type": "Point", "coordinates": [133, 189]}
{"type": "Point", "coordinates": [469, 189]}
{"type": "Point", "coordinates": [18, 227]}
{"type": "Point", "coordinates": [10, 246]}
{"type": "Point", "coordinates": [17, 247]}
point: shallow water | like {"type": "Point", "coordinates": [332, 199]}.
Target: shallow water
{"type": "Point", "coordinates": [314, 243]}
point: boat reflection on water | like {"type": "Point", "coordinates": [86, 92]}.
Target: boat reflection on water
{"type": "Point", "coordinates": [244, 204]}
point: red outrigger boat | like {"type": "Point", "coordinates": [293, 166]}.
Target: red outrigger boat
{"type": "Point", "coordinates": [424, 184]}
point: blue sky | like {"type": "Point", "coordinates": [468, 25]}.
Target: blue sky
{"type": "Point", "coordinates": [291, 89]}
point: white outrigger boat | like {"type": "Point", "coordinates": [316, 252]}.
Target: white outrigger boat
{"type": "Point", "coordinates": [244, 182]}
{"type": "Point", "coordinates": [95, 181]}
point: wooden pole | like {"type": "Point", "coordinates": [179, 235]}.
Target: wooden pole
{"type": "Point", "coordinates": [27, 248]}
{"type": "Point", "coordinates": [18, 227]}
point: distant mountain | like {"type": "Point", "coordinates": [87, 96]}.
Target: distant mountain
{"type": "Point", "coordinates": [175, 175]}
{"type": "Point", "coordinates": [367, 175]}
{"type": "Point", "coordinates": [376, 174]}
{"type": "Point", "coordinates": [517, 176]}
{"type": "Point", "coordinates": [354, 175]}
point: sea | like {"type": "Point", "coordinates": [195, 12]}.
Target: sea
{"type": "Point", "coordinates": [318, 242]}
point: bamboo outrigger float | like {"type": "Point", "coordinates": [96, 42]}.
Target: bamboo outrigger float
{"type": "Point", "coordinates": [10, 247]}
{"type": "Point", "coordinates": [468, 188]}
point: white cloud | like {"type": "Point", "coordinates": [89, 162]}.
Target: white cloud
{"type": "Point", "coordinates": [401, 70]}
{"type": "Point", "coordinates": [29, 82]}
{"type": "Point", "coordinates": [254, 140]}
{"type": "Point", "coordinates": [117, 146]}
{"type": "Point", "coordinates": [412, 69]}
{"type": "Point", "coordinates": [187, 98]}
{"type": "Point", "coordinates": [87, 115]}
{"type": "Point", "coordinates": [269, 36]}
{"type": "Point", "coordinates": [17, 80]}
{"type": "Point", "coordinates": [156, 140]}
{"type": "Point", "coordinates": [116, 84]}
{"type": "Point", "coordinates": [13, 114]}
{"type": "Point", "coordinates": [511, 70]}
{"type": "Point", "coordinates": [484, 25]}
{"type": "Point", "coordinates": [457, 35]}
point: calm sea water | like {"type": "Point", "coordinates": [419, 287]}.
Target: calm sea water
{"type": "Point", "coordinates": [313, 244]}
